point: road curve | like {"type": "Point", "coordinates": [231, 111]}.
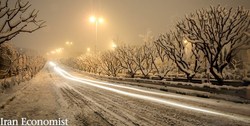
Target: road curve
{"type": "Point", "coordinates": [94, 102]}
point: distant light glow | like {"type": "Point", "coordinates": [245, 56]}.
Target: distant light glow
{"type": "Point", "coordinates": [92, 19]}
{"type": "Point", "coordinates": [113, 45]}
{"type": "Point", "coordinates": [52, 64]}
{"type": "Point", "coordinates": [101, 20]}
{"type": "Point", "coordinates": [53, 52]}
{"type": "Point", "coordinates": [59, 50]}
{"type": "Point", "coordinates": [185, 41]}
{"type": "Point", "coordinates": [88, 49]}
{"type": "Point", "coordinates": [68, 43]}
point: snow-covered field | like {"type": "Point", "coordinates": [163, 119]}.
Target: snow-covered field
{"type": "Point", "coordinates": [84, 100]}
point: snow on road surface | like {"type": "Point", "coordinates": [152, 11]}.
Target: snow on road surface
{"type": "Point", "coordinates": [158, 100]}
{"type": "Point", "coordinates": [57, 92]}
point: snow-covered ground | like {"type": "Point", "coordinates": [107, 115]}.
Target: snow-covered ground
{"type": "Point", "coordinates": [84, 100]}
{"type": "Point", "coordinates": [206, 90]}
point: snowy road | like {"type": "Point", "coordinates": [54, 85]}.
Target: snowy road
{"type": "Point", "coordinates": [87, 101]}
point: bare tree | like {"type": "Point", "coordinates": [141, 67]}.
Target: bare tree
{"type": "Point", "coordinates": [14, 62]}
{"type": "Point", "coordinates": [92, 61]}
{"type": "Point", "coordinates": [162, 64]}
{"type": "Point", "coordinates": [125, 57]}
{"type": "Point", "coordinates": [8, 57]}
{"type": "Point", "coordinates": [79, 63]}
{"type": "Point", "coordinates": [248, 34]}
{"type": "Point", "coordinates": [184, 54]}
{"type": "Point", "coordinates": [143, 60]}
{"type": "Point", "coordinates": [17, 19]}
{"type": "Point", "coordinates": [218, 33]}
{"type": "Point", "coordinates": [233, 70]}
{"type": "Point", "coordinates": [110, 63]}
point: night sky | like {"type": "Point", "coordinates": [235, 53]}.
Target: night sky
{"type": "Point", "coordinates": [68, 20]}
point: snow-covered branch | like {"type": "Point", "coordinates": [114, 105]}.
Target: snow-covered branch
{"type": "Point", "coordinates": [219, 33]}
{"type": "Point", "coordinates": [14, 62]}
{"type": "Point", "coordinates": [125, 57]}
{"type": "Point", "coordinates": [162, 64]}
{"type": "Point", "coordinates": [110, 63]}
{"type": "Point", "coordinates": [17, 19]}
{"type": "Point", "coordinates": [143, 59]}
{"type": "Point", "coordinates": [183, 53]}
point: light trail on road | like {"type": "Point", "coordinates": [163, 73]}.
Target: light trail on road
{"type": "Point", "coordinates": [66, 75]}
{"type": "Point", "coordinates": [125, 87]}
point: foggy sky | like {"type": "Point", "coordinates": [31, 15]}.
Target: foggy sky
{"type": "Point", "coordinates": [68, 20]}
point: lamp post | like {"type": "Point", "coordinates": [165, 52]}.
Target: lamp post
{"type": "Point", "coordinates": [97, 21]}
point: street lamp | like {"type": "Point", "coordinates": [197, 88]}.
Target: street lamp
{"type": "Point", "coordinates": [88, 50]}
{"type": "Point", "coordinates": [97, 21]}
{"type": "Point", "coordinates": [185, 41]}
{"type": "Point", "coordinates": [69, 43]}
{"type": "Point", "coordinates": [113, 46]}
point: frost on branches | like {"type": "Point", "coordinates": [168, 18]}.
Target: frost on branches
{"type": "Point", "coordinates": [183, 53]}
{"type": "Point", "coordinates": [16, 19]}
{"type": "Point", "coordinates": [16, 63]}
{"type": "Point", "coordinates": [162, 64]}
{"type": "Point", "coordinates": [125, 57]}
{"type": "Point", "coordinates": [202, 44]}
{"type": "Point", "coordinates": [110, 63]}
{"type": "Point", "coordinates": [219, 33]}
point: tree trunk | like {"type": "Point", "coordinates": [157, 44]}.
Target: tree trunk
{"type": "Point", "coordinates": [218, 78]}
{"type": "Point", "coordinates": [189, 78]}
{"type": "Point", "coordinates": [161, 77]}
{"type": "Point", "coordinates": [132, 75]}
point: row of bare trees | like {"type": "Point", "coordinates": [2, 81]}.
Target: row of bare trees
{"type": "Point", "coordinates": [203, 43]}
{"type": "Point", "coordinates": [16, 17]}
{"type": "Point", "coordinates": [15, 63]}
{"type": "Point", "coordinates": [129, 61]}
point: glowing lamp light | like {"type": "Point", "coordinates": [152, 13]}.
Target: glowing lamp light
{"type": "Point", "coordinates": [88, 49]}
{"type": "Point", "coordinates": [53, 52]}
{"type": "Point", "coordinates": [69, 43]}
{"type": "Point", "coordinates": [100, 20]}
{"type": "Point", "coordinates": [185, 41]}
{"type": "Point", "coordinates": [59, 50]}
{"type": "Point", "coordinates": [92, 19]}
{"type": "Point", "coordinates": [114, 45]}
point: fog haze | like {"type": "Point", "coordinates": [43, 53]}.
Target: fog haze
{"type": "Point", "coordinates": [68, 20]}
